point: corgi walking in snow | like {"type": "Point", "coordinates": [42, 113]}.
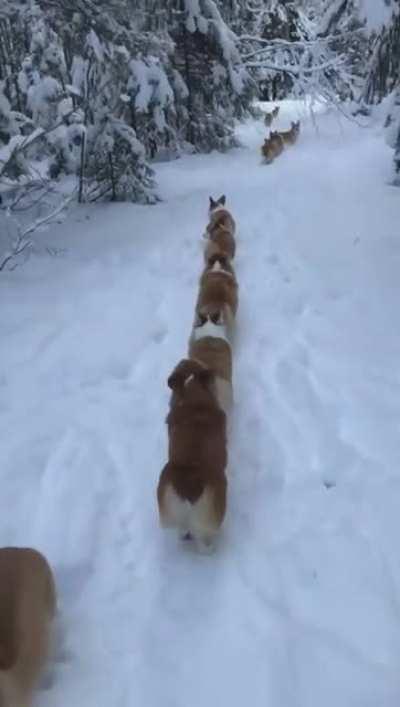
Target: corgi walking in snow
{"type": "Point", "coordinates": [289, 137]}
{"type": "Point", "coordinates": [272, 147]}
{"type": "Point", "coordinates": [218, 293]}
{"type": "Point", "coordinates": [213, 328]}
{"type": "Point", "coordinates": [270, 117]}
{"type": "Point", "coordinates": [27, 607]}
{"type": "Point", "coordinates": [220, 232]}
{"type": "Point", "coordinates": [192, 487]}
{"type": "Point", "coordinates": [278, 140]}
{"type": "Point", "coordinates": [210, 345]}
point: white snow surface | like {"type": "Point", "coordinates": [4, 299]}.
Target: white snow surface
{"type": "Point", "coordinates": [300, 604]}
{"type": "Point", "coordinates": [378, 13]}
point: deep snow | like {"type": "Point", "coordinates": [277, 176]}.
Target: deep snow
{"type": "Point", "coordinates": [300, 605]}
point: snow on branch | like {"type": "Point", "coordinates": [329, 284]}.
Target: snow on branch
{"type": "Point", "coordinates": [22, 242]}
{"type": "Point", "coordinates": [18, 246]}
{"type": "Point", "coordinates": [316, 65]}
{"type": "Point", "coordinates": [49, 218]}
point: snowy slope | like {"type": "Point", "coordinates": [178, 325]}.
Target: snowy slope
{"type": "Point", "coordinates": [300, 605]}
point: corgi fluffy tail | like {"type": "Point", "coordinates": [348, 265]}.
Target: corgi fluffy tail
{"type": "Point", "coordinates": [195, 520]}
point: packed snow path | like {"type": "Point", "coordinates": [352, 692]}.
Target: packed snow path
{"type": "Point", "coordinates": [300, 605]}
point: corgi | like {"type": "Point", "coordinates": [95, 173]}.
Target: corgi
{"type": "Point", "coordinates": [27, 607]}
{"type": "Point", "coordinates": [191, 492]}
{"type": "Point", "coordinates": [220, 216]}
{"type": "Point", "coordinates": [269, 117]}
{"type": "Point", "coordinates": [221, 242]}
{"type": "Point", "coordinates": [210, 345]}
{"type": "Point", "coordinates": [218, 296]}
{"type": "Point", "coordinates": [220, 230]}
{"type": "Point", "coordinates": [272, 147]}
{"type": "Point", "coordinates": [289, 137]}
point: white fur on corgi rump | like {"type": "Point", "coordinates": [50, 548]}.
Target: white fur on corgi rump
{"type": "Point", "coordinates": [27, 607]}
{"type": "Point", "coordinates": [192, 520]}
{"type": "Point", "coordinates": [218, 331]}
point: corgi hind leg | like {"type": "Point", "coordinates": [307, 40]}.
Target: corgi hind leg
{"type": "Point", "coordinates": [173, 511]}
{"type": "Point", "coordinates": [204, 526]}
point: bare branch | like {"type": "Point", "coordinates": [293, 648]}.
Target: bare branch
{"type": "Point", "coordinates": [20, 245]}
{"type": "Point", "coordinates": [22, 242]}
{"type": "Point", "coordinates": [49, 217]}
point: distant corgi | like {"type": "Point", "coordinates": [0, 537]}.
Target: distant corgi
{"type": "Point", "coordinates": [27, 607]}
{"type": "Point", "coordinates": [218, 293]}
{"type": "Point", "coordinates": [289, 137]}
{"type": "Point", "coordinates": [191, 492]}
{"type": "Point", "coordinates": [269, 117]}
{"type": "Point", "coordinates": [210, 345]}
{"type": "Point", "coordinates": [272, 147]}
{"type": "Point", "coordinates": [219, 215]}
{"type": "Point", "coordinates": [220, 230]}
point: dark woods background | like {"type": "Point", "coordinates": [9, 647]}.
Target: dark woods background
{"type": "Point", "coordinates": [100, 89]}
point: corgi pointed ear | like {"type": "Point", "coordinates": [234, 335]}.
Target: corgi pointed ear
{"type": "Point", "coordinates": [213, 203]}
{"type": "Point", "coordinates": [200, 320]}
{"type": "Point", "coordinates": [222, 200]}
{"type": "Point", "coordinates": [216, 318]}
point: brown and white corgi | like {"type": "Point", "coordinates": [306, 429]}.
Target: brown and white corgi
{"type": "Point", "coordinates": [218, 295]}
{"type": "Point", "coordinates": [210, 345]}
{"type": "Point", "coordinates": [192, 487]}
{"type": "Point", "coordinates": [289, 137]}
{"type": "Point", "coordinates": [27, 607]}
{"type": "Point", "coordinates": [219, 215]}
{"type": "Point", "coordinates": [221, 242]}
{"type": "Point", "coordinates": [220, 230]}
{"type": "Point", "coordinates": [269, 117]}
{"type": "Point", "coordinates": [272, 147]}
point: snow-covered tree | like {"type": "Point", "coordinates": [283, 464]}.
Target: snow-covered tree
{"type": "Point", "coordinates": [111, 85]}
{"type": "Point", "coordinates": [67, 79]}
{"type": "Point", "coordinates": [258, 22]}
{"type": "Point", "coordinates": [383, 69]}
{"type": "Point", "coordinates": [382, 19]}
{"type": "Point", "coordinates": [206, 56]}
{"type": "Point", "coordinates": [392, 130]}
{"type": "Point", "coordinates": [293, 54]}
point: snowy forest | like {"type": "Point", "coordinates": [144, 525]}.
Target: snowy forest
{"type": "Point", "coordinates": [101, 90]}
{"type": "Point", "coordinates": [199, 349]}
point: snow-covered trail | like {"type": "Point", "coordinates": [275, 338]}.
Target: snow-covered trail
{"type": "Point", "coordinates": [300, 605]}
